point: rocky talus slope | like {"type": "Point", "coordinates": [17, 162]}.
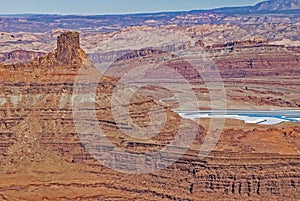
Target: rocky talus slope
{"type": "Point", "coordinates": [43, 158]}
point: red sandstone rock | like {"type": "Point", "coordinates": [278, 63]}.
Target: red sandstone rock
{"type": "Point", "coordinates": [43, 158]}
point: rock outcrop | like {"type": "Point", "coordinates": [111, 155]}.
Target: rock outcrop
{"type": "Point", "coordinates": [243, 43]}
{"type": "Point", "coordinates": [234, 59]}
{"type": "Point", "coordinates": [68, 49]}
{"type": "Point", "coordinates": [43, 158]}
{"type": "Point", "coordinates": [67, 53]}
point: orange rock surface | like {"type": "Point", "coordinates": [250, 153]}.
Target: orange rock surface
{"type": "Point", "coordinates": [43, 158]}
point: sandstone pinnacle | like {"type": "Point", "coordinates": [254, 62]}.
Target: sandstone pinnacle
{"type": "Point", "coordinates": [68, 49]}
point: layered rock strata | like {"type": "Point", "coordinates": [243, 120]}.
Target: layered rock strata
{"type": "Point", "coordinates": [43, 158]}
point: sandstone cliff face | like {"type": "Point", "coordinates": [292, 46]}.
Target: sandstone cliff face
{"type": "Point", "coordinates": [44, 159]}
{"type": "Point", "coordinates": [114, 56]}
{"type": "Point", "coordinates": [243, 43]}
{"type": "Point", "coordinates": [235, 59]}
{"type": "Point", "coordinates": [257, 60]}
{"type": "Point", "coordinates": [270, 72]}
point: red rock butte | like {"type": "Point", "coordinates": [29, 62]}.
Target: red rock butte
{"type": "Point", "coordinates": [68, 48]}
